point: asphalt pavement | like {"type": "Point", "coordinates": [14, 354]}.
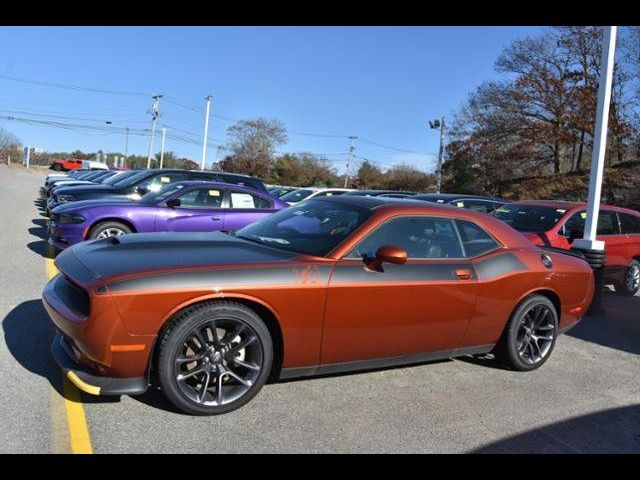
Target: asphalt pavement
{"type": "Point", "coordinates": [586, 398]}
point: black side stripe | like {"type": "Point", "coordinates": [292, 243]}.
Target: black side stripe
{"type": "Point", "coordinates": [221, 279]}
{"type": "Point", "coordinates": [357, 273]}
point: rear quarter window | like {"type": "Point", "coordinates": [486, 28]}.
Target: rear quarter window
{"type": "Point", "coordinates": [475, 240]}
{"type": "Point", "coordinates": [630, 223]}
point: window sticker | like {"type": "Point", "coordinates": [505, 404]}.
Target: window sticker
{"type": "Point", "coordinates": [242, 200]}
{"type": "Point", "coordinates": [329, 194]}
{"type": "Point", "coordinates": [214, 193]}
{"type": "Point", "coordinates": [583, 215]}
{"type": "Point", "coordinates": [460, 204]}
{"type": "Point", "coordinates": [165, 179]}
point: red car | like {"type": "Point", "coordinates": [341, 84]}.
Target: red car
{"type": "Point", "coordinates": [67, 164]}
{"type": "Point", "coordinates": [558, 224]}
{"type": "Point", "coordinates": [329, 285]}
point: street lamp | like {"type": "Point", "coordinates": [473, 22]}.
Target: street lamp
{"type": "Point", "coordinates": [439, 125]}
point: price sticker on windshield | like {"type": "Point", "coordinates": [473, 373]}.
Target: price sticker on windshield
{"type": "Point", "coordinates": [460, 204]}
{"type": "Point", "coordinates": [165, 179]}
{"type": "Point", "coordinates": [214, 193]}
{"type": "Point", "coordinates": [583, 215]}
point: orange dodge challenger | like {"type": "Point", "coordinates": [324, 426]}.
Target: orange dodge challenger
{"type": "Point", "coordinates": [333, 284]}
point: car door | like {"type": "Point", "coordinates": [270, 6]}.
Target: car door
{"type": "Point", "coordinates": [609, 232]}
{"type": "Point", "coordinates": [200, 210]}
{"type": "Point", "coordinates": [422, 306]}
{"type": "Point", "coordinates": [630, 225]}
{"type": "Point", "coordinates": [245, 208]}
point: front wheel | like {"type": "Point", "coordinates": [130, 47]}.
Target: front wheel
{"type": "Point", "coordinates": [631, 284]}
{"type": "Point", "coordinates": [214, 358]}
{"type": "Point", "coordinates": [57, 167]}
{"type": "Point", "coordinates": [108, 229]}
{"type": "Point", "coordinates": [530, 335]}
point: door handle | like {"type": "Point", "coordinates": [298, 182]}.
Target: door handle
{"type": "Point", "coordinates": [216, 219]}
{"type": "Point", "coordinates": [464, 273]}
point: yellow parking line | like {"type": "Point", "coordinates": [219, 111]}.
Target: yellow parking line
{"type": "Point", "coordinates": [78, 430]}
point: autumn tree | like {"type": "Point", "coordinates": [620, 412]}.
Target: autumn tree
{"type": "Point", "coordinates": [407, 177]}
{"type": "Point", "coordinates": [9, 145]}
{"type": "Point", "coordinates": [368, 176]}
{"type": "Point", "coordinates": [252, 146]}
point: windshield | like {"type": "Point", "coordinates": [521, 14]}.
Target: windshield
{"type": "Point", "coordinates": [530, 218]}
{"type": "Point", "coordinates": [296, 195]}
{"type": "Point", "coordinates": [155, 197]}
{"type": "Point", "coordinates": [131, 180]}
{"type": "Point", "coordinates": [117, 178]}
{"type": "Point", "coordinates": [314, 227]}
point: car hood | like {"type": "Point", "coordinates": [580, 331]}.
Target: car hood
{"type": "Point", "coordinates": [79, 205]}
{"type": "Point", "coordinates": [97, 260]}
{"type": "Point", "coordinates": [84, 189]}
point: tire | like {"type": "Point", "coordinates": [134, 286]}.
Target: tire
{"type": "Point", "coordinates": [631, 283]}
{"type": "Point", "coordinates": [102, 230]}
{"type": "Point", "coordinates": [57, 167]}
{"type": "Point", "coordinates": [509, 350]}
{"type": "Point", "coordinates": [179, 341]}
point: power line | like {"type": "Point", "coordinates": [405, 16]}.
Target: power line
{"type": "Point", "coordinates": [73, 87]}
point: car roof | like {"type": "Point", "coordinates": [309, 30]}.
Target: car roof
{"type": "Point", "coordinates": [453, 196]}
{"type": "Point", "coordinates": [211, 183]}
{"type": "Point", "coordinates": [567, 205]}
{"type": "Point", "coordinates": [363, 193]}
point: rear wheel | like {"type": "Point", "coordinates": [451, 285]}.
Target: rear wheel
{"type": "Point", "coordinates": [57, 167]}
{"type": "Point", "coordinates": [108, 229]}
{"type": "Point", "coordinates": [214, 358]}
{"type": "Point", "coordinates": [530, 335]}
{"type": "Point", "coordinates": [631, 284]}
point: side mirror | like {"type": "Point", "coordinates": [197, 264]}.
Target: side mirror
{"type": "Point", "coordinates": [389, 254]}
{"type": "Point", "coordinates": [173, 203]}
{"type": "Point", "coordinates": [141, 190]}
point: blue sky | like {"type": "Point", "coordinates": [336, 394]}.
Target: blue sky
{"type": "Point", "coordinates": [379, 83]}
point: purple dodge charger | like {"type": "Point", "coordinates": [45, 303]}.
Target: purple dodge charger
{"type": "Point", "coordinates": [193, 206]}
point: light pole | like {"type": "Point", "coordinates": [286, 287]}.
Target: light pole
{"type": "Point", "coordinates": [593, 249]}
{"type": "Point", "coordinates": [206, 132]}
{"type": "Point", "coordinates": [154, 115]}
{"type": "Point", "coordinates": [164, 133]}
{"type": "Point", "coordinates": [126, 145]}
{"type": "Point", "coordinates": [439, 125]}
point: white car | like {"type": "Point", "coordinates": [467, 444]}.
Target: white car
{"type": "Point", "coordinates": [311, 192]}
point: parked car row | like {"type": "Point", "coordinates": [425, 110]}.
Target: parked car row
{"type": "Point", "coordinates": [224, 286]}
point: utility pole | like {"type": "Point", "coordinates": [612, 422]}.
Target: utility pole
{"type": "Point", "coordinates": [349, 159]}
{"type": "Point", "coordinates": [164, 132]}
{"type": "Point", "coordinates": [435, 125]}
{"type": "Point", "coordinates": [154, 115]}
{"type": "Point", "coordinates": [206, 132]}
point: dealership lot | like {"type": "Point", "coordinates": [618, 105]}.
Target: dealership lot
{"type": "Point", "coordinates": [586, 398]}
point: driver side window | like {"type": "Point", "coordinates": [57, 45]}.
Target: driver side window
{"type": "Point", "coordinates": [201, 198]}
{"type": "Point", "coordinates": [421, 237]}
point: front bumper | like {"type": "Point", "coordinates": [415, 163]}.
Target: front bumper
{"type": "Point", "coordinates": [63, 236]}
{"type": "Point", "coordinates": [86, 380]}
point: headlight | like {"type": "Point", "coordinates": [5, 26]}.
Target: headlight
{"type": "Point", "coordinates": [65, 198]}
{"type": "Point", "coordinates": [70, 218]}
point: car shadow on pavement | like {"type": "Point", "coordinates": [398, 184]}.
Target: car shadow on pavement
{"type": "Point", "coordinates": [608, 431]}
{"type": "Point", "coordinates": [617, 327]}
{"type": "Point", "coordinates": [28, 334]}
{"type": "Point", "coordinates": [42, 248]}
